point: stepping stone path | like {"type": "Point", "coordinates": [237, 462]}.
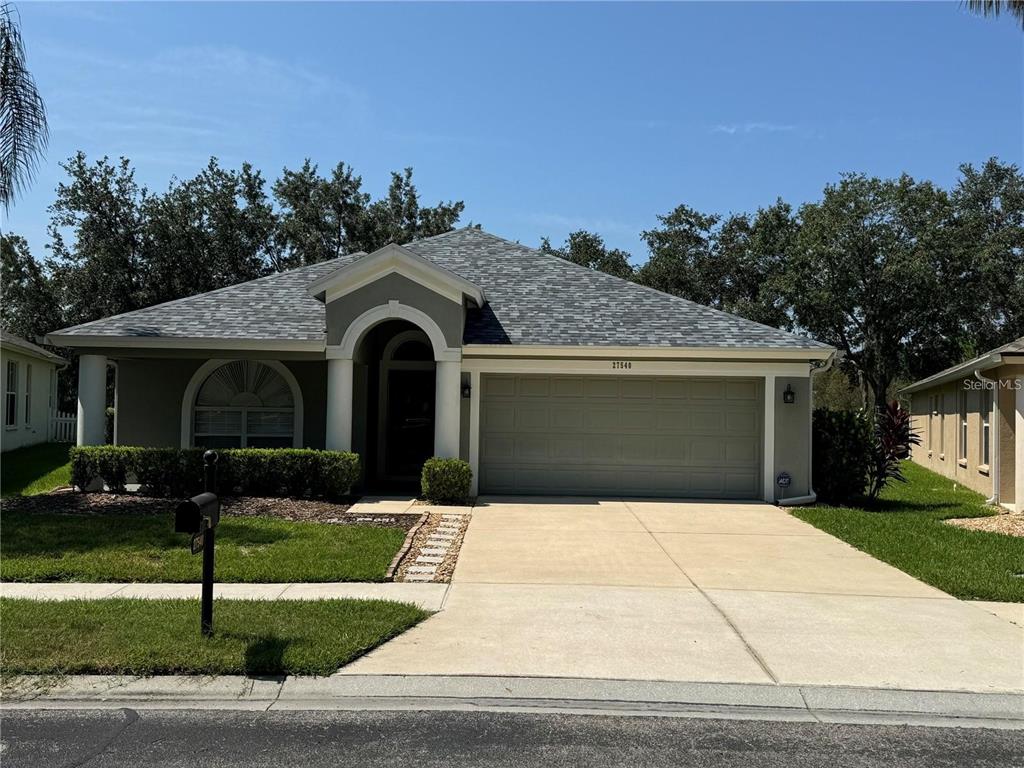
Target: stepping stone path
{"type": "Point", "coordinates": [435, 548]}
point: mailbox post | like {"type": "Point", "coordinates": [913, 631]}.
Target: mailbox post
{"type": "Point", "coordinates": [199, 516]}
{"type": "Point", "coordinates": [210, 482]}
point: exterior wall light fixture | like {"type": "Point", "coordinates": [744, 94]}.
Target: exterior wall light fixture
{"type": "Point", "coordinates": [789, 396]}
{"type": "Point", "coordinates": [467, 390]}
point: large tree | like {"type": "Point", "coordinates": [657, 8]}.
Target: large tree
{"type": "Point", "coordinates": [326, 217]}
{"type": "Point", "coordinates": [215, 229]}
{"type": "Point", "coordinates": [588, 250]}
{"type": "Point", "coordinates": [30, 307]}
{"type": "Point", "coordinates": [1014, 8]}
{"type": "Point", "coordinates": [869, 271]}
{"type": "Point", "coordinates": [23, 128]}
{"type": "Point", "coordinates": [734, 264]}
{"type": "Point", "coordinates": [98, 239]}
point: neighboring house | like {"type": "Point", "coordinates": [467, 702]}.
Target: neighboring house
{"type": "Point", "coordinates": [971, 421]}
{"type": "Point", "coordinates": [546, 376]}
{"type": "Point", "coordinates": [30, 391]}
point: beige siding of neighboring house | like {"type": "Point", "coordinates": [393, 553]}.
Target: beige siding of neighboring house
{"type": "Point", "coordinates": [936, 414]}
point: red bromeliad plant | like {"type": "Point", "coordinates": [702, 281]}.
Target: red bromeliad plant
{"type": "Point", "coordinates": [893, 438]}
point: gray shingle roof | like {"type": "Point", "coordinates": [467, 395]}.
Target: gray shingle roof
{"type": "Point", "coordinates": [10, 341]}
{"type": "Point", "coordinates": [532, 298]}
{"type": "Point", "coordinates": [981, 362]}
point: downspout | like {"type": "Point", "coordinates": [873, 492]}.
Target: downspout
{"type": "Point", "coordinates": [812, 497]}
{"type": "Point", "coordinates": [993, 437]}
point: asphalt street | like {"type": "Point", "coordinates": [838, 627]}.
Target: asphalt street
{"type": "Point", "coordinates": [220, 739]}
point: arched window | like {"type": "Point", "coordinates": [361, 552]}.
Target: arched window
{"type": "Point", "coordinates": [244, 404]}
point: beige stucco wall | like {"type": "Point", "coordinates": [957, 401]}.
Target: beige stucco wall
{"type": "Point", "coordinates": [448, 314]}
{"type": "Point", "coordinates": [940, 450]}
{"type": "Point", "coordinates": [150, 392]}
{"type": "Point", "coordinates": [793, 435]}
{"type": "Point", "coordinates": [37, 428]}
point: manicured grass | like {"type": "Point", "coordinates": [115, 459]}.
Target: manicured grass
{"type": "Point", "coordinates": [54, 547]}
{"type": "Point", "coordinates": [152, 637]}
{"type": "Point", "coordinates": [904, 528]}
{"type": "Point", "coordinates": [35, 469]}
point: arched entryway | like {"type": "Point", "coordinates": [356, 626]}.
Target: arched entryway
{"type": "Point", "coordinates": [394, 393]}
{"type": "Point", "coordinates": [393, 400]}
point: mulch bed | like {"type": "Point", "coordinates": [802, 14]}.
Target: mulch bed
{"type": "Point", "coordinates": [1010, 524]}
{"type": "Point", "coordinates": [68, 502]}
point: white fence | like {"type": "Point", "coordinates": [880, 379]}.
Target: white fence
{"type": "Point", "coordinates": [63, 427]}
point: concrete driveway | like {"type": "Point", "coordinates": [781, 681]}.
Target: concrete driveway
{"type": "Point", "coordinates": [688, 591]}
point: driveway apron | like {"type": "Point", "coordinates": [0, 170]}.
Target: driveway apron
{"type": "Point", "coordinates": [695, 592]}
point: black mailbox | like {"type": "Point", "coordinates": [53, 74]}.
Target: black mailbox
{"type": "Point", "coordinates": [188, 517]}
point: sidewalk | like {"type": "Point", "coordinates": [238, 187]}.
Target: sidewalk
{"type": "Point", "coordinates": [525, 694]}
{"type": "Point", "coordinates": [427, 596]}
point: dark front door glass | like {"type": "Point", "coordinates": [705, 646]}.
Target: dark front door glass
{"type": "Point", "coordinates": [410, 422]}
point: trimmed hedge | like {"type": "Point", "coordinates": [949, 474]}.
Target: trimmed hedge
{"type": "Point", "coordinates": [445, 481]}
{"type": "Point", "coordinates": [178, 472]}
{"type": "Point", "coordinates": [841, 446]}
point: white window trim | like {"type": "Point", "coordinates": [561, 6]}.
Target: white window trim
{"type": "Point", "coordinates": [188, 401]}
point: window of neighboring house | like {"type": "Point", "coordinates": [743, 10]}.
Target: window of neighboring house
{"type": "Point", "coordinates": [986, 426]}
{"type": "Point", "coordinates": [962, 452]}
{"type": "Point", "coordinates": [941, 402]}
{"type": "Point", "coordinates": [11, 395]}
{"type": "Point", "coordinates": [28, 393]}
{"type": "Point", "coordinates": [931, 421]}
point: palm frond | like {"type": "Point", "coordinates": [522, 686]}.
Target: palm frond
{"type": "Point", "coordinates": [994, 7]}
{"type": "Point", "coordinates": [24, 131]}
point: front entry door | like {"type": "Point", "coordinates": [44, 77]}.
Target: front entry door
{"type": "Point", "coordinates": [410, 422]}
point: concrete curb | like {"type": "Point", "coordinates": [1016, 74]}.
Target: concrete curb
{"type": "Point", "coordinates": [567, 695]}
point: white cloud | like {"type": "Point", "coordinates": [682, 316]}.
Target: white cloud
{"type": "Point", "coordinates": [753, 127]}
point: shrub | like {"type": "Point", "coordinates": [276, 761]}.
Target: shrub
{"type": "Point", "coordinates": [175, 473]}
{"type": "Point", "coordinates": [446, 481]}
{"type": "Point", "coordinates": [841, 444]}
{"type": "Point", "coordinates": [893, 437]}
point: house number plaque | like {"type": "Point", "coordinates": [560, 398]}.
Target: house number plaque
{"type": "Point", "coordinates": [621, 364]}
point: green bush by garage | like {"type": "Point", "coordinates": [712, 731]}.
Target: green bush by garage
{"type": "Point", "coordinates": [446, 481]}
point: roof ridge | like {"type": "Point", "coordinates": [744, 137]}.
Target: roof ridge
{"type": "Point", "coordinates": [173, 302]}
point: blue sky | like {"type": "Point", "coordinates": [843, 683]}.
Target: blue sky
{"type": "Point", "coordinates": [544, 118]}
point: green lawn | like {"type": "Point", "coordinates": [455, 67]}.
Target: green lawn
{"type": "Point", "coordinates": [35, 469]}
{"type": "Point", "coordinates": [904, 528]}
{"type": "Point", "coordinates": [54, 547]}
{"type": "Point", "coordinates": [147, 637]}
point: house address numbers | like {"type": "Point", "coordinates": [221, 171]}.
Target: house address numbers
{"type": "Point", "coordinates": [621, 365]}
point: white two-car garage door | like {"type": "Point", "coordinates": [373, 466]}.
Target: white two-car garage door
{"type": "Point", "coordinates": [632, 436]}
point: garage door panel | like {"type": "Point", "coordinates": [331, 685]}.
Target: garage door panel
{"type": "Point", "coordinates": [567, 387]}
{"type": "Point", "coordinates": [532, 418]}
{"type": "Point", "coordinates": [742, 390]}
{"type": "Point", "coordinates": [498, 417]}
{"type": "Point", "coordinates": [601, 448]}
{"type": "Point", "coordinates": [535, 386]}
{"type": "Point", "coordinates": [740, 422]}
{"type": "Point", "coordinates": [627, 435]}
{"type": "Point", "coordinates": [598, 387]}
{"type": "Point", "coordinates": [602, 418]}
{"type": "Point", "coordinates": [637, 388]}
{"type": "Point", "coordinates": [567, 418]}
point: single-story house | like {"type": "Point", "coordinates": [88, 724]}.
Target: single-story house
{"type": "Point", "coordinates": [547, 377]}
{"type": "Point", "coordinates": [30, 391]}
{"type": "Point", "coordinates": [971, 421]}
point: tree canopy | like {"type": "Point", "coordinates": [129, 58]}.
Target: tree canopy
{"type": "Point", "coordinates": [901, 275]}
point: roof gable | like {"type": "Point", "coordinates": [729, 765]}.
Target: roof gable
{"type": "Point", "coordinates": [394, 259]}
